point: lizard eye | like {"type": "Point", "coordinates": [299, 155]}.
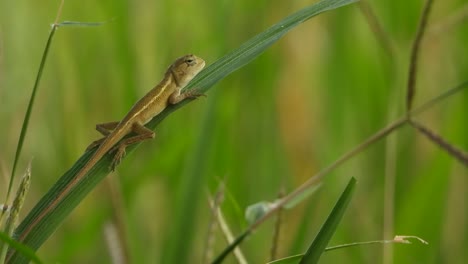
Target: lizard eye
{"type": "Point", "coordinates": [190, 61]}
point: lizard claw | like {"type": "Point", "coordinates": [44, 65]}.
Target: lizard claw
{"type": "Point", "coordinates": [119, 154]}
{"type": "Point", "coordinates": [194, 93]}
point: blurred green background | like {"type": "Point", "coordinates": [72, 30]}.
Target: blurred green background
{"type": "Point", "coordinates": [321, 90]}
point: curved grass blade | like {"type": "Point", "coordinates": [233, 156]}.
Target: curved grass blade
{"type": "Point", "coordinates": [45, 54]}
{"type": "Point", "coordinates": [259, 43]}
{"type": "Point", "coordinates": [27, 252]}
{"type": "Point", "coordinates": [24, 128]}
{"type": "Point", "coordinates": [314, 252]}
{"type": "Point", "coordinates": [34, 233]}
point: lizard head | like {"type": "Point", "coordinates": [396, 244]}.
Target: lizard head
{"type": "Point", "coordinates": [185, 68]}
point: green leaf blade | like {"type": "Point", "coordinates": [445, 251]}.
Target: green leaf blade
{"type": "Point", "coordinates": [27, 252]}
{"type": "Point", "coordinates": [314, 252]}
{"type": "Point", "coordinates": [259, 43]}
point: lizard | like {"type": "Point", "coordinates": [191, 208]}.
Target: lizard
{"type": "Point", "coordinates": [167, 92]}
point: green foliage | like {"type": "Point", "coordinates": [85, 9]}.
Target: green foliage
{"type": "Point", "coordinates": [316, 249]}
{"type": "Point", "coordinates": [318, 92]}
{"type": "Point", "coordinates": [25, 251]}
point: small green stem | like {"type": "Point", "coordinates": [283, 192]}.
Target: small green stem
{"type": "Point", "coordinates": [24, 128]}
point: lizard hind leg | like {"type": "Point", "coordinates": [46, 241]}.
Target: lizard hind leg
{"type": "Point", "coordinates": [95, 143]}
{"type": "Point", "coordinates": [142, 133]}
{"type": "Point", "coordinates": [105, 129]}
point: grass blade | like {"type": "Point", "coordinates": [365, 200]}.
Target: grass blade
{"type": "Point", "coordinates": [27, 252]}
{"type": "Point", "coordinates": [259, 43]}
{"type": "Point", "coordinates": [231, 247]}
{"type": "Point", "coordinates": [319, 244]}
{"type": "Point", "coordinates": [24, 128]}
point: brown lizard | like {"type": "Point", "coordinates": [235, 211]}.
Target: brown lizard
{"type": "Point", "coordinates": [167, 92]}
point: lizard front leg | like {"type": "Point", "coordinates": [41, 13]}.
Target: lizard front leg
{"type": "Point", "coordinates": [142, 133]}
{"type": "Point", "coordinates": [177, 96]}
